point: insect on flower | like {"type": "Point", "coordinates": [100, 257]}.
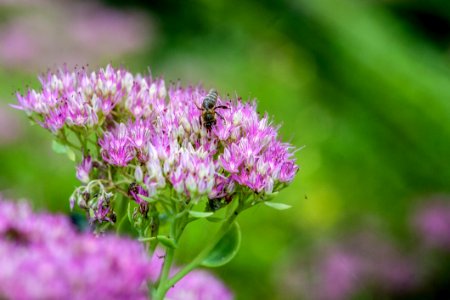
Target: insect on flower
{"type": "Point", "coordinates": [208, 116]}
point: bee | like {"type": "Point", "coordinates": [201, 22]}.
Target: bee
{"type": "Point", "coordinates": [208, 116]}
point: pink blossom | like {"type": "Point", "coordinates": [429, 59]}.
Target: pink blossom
{"type": "Point", "coordinates": [43, 257]}
{"type": "Point", "coordinates": [42, 33]}
{"type": "Point", "coordinates": [84, 169]}
{"type": "Point", "coordinates": [160, 128]}
{"type": "Point", "coordinates": [431, 221]}
{"type": "Point", "coordinates": [116, 147]}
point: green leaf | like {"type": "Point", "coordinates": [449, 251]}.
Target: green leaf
{"type": "Point", "coordinates": [61, 149]}
{"type": "Point", "coordinates": [166, 241]}
{"type": "Point", "coordinates": [148, 199]}
{"type": "Point", "coordinates": [200, 214]}
{"type": "Point", "coordinates": [70, 153]}
{"type": "Point", "coordinates": [129, 214]}
{"type": "Point", "coordinates": [269, 197]}
{"type": "Point", "coordinates": [226, 249]}
{"type": "Point", "coordinates": [215, 219]}
{"type": "Point", "coordinates": [58, 147]}
{"type": "Point", "coordinates": [279, 206]}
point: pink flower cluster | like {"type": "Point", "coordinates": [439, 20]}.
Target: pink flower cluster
{"type": "Point", "coordinates": [144, 123]}
{"type": "Point", "coordinates": [431, 222]}
{"type": "Point", "coordinates": [39, 33]}
{"type": "Point", "coordinates": [43, 257]}
{"type": "Point", "coordinates": [76, 99]}
{"type": "Point", "coordinates": [363, 261]}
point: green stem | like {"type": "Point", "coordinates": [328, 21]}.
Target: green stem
{"type": "Point", "coordinates": [121, 223]}
{"type": "Point", "coordinates": [67, 142]}
{"type": "Point", "coordinates": [168, 259]}
{"type": "Point", "coordinates": [166, 285]}
{"type": "Point", "coordinates": [147, 239]}
{"type": "Point", "coordinates": [122, 210]}
{"type": "Point", "coordinates": [154, 229]}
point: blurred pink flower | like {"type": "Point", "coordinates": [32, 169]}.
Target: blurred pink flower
{"type": "Point", "coordinates": [40, 34]}
{"type": "Point", "coordinates": [199, 285]}
{"type": "Point", "coordinates": [360, 262]}
{"type": "Point", "coordinates": [42, 256]}
{"type": "Point", "coordinates": [431, 221]}
{"type": "Point", "coordinates": [339, 274]}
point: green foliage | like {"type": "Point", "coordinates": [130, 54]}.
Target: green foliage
{"type": "Point", "coordinates": [226, 249]}
{"type": "Point", "coordinates": [277, 206]}
{"type": "Point", "coordinates": [63, 149]}
{"type": "Point", "coordinates": [200, 214]}
{"type": "Point", "coordinates": [166, 241]}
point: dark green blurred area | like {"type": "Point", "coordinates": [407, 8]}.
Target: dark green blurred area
{"type": "Point", "coordinates": [364, 86]}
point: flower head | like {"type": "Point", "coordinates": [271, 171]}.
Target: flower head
{"type": "Point", "coordinates": [116, 146]}
{"type": "Point", "coordinates": [139, 123]}
{"type": "Point", "coordinates": [84, 169]}
{"type": "Point", "coordinates": [431, 221]}
{"type": "Point", "coordinates": [43, 257]}
{"type": "Point", "coordinates": [199, 285]}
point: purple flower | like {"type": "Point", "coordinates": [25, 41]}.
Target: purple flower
{"type": "Point", "coordinates": [362, 262]}
{"type": "Point", "coordinates": [40, 33]}
{"type": "Point", "coordinates": [103, 212]}
{"type": "Point", "coordinates": [54, 120]}
{"type": "Point", "coordinates": [199, 285]}
{"type": "Point", "coordinates": [146, 97]}
{"type": "Point", "coordinates": [137, 192]}
{"type": "Point", "coordinates": [116, 147]}
{"type": "Point", "coordinates": [75, 99]}
{"type": "Point", "coordinates": [431, 221]}
{"type": "Point", "coordinates": [43, 257]}
{"type": "Point", "coordinates": [340, 275]}
{"type": "Point", "coordinates": [140, 133]}
{"type": "Point", "coordinates": [84, 169]}
{"type": "Point", "coordinates": [96, 200]}
{"type": "Point", "coordinates": [143, 122]}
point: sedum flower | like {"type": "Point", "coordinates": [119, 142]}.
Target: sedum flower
{"type": "Point", "coordinates": [42, 256]}
{"type": "Point", "coordinates": [116, 146]}
{"type": "Point", "coordinates": [139, 122]}
{"type": "Point", "coordinates": [84, 169]}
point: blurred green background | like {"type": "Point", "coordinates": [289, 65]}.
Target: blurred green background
{"type": "Point", "coordinates": [364, 86]}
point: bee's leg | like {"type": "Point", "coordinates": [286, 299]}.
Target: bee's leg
{"type": "Point", "coordinates": [222, 106]}
{"type": "Point", "coordinates": [197, 106]}
{"type": "Point", "coordinates": [220, 116]}
{"type": "Point", "coordinates": [200, 120]}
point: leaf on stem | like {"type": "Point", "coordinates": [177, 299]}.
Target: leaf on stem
{"type": "Point", "coordinates": [278, 206]}
{"type": "Point", "coordinates": [58, 147]}
{"type": "Point", "coordinates": [215, 219]}
{"type": "Point", "coordinates": [63, 149]}
{"type": "Point", "coordinates": [200, 214]}
{"type": "Point", "coordinates": [148, 199]}
{"type": "Point", "coordinates": [70, 153]}
{"type": "Point", "coordinates": [226, 249]}
{"type": "Point", "coordinates": [166, 241]}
